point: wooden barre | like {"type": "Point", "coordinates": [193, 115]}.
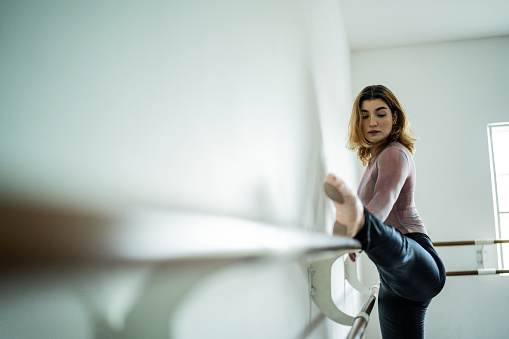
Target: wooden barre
{"type": "Point", "coordinates": [476, 272]}
{"type": "Point", "coordinates": [469, 242]}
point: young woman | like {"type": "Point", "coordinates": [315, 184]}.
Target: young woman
{"type": "Point", "coordinates": [384, 218]}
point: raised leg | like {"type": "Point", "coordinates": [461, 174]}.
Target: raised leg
{"type": "Point", "coordinates": [408, 263]}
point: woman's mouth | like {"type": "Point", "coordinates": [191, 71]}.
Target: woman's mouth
{"type": "Point", "coordinates": [373, 132]}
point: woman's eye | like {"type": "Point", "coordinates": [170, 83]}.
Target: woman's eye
{"type": "Point", "coordinates": [364, 117]}
{"type": "Point", "coordinates": [382, 115]}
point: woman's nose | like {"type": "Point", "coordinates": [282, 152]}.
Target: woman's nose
{"type": "Point", "coordinates": [372, 121]}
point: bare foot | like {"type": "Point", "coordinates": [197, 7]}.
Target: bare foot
{"type": "Point", "coordinates": [349, 209]}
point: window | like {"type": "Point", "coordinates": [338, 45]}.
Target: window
{"type": "Point", "coordinates": [498, 137]}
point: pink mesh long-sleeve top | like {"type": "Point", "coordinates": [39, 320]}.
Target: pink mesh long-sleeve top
{"type": "Point", "coordinates": [387, 189]}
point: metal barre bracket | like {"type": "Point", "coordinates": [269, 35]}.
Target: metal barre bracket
{"type": "Point", "coordinates": [352, 277]}
{"type": "Point", "coordinates": [320, 290]}
{"type": "Point", "coordinates": [320, 286]}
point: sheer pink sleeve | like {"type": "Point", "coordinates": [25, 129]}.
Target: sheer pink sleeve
{"type": "Point", "coordinates": [393, 170]}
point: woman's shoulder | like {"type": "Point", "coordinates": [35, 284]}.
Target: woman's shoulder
{"type": "Point", "coordinates": [396, 147]}
{"type": "Point", "coordinates": [395, 150]}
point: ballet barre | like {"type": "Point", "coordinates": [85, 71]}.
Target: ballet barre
{"type": "Point", "coordinates": [361, 321]}
{"type": "Point", "coordinates": [480, 255]}
{"type": "Point", "coordinates": [470, 242]}
{"type": "Point", "coordinates": [483, 271]}
{"type": "Point", "coordinates": [144, 250]}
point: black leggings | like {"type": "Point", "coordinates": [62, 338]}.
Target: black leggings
{"type": "Point", "coordinates": [411, 274]}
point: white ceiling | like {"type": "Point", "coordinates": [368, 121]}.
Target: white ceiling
{"type": "Point", "coordinates": [373, 24]}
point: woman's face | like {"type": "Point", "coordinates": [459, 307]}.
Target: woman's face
{"type": "Point", "coordinates": [376, 121]}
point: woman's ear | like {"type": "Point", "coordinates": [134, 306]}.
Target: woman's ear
{"type": "Point", "coordinates": [394, 117]}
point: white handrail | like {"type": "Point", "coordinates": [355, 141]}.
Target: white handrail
{"type": "Point", "coordinates": [28, 234]}
{"type": "Point", "coordinates": [39, 240]}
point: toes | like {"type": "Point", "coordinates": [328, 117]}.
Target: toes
{"type": "Point", "coordinates": [333, 187]}
{"type": "Point", "coordinates": [333, 193]}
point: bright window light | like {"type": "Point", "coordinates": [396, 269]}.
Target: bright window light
{"type": "Point", "coordinates": [498, 137]}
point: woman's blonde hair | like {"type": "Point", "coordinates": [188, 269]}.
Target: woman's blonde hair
{"type": "Point", "coordinates": [401, 131]}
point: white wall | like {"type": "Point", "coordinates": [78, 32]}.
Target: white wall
{"type": "Point", "coordinates": [451, 91]}
{"type": "Point", "coordinates": [212, 107]}
{"type": "Point", "coordinates": [233, 108]}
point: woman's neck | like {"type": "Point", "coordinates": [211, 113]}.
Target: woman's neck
{"type": "Point", "coordinates": [375, 150]}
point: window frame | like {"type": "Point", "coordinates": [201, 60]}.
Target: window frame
{"type": "Point", "coordinates": [495, 193]}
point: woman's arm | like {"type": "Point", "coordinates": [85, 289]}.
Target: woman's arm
{"type": "Point", "coordinates": [393, 169]}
